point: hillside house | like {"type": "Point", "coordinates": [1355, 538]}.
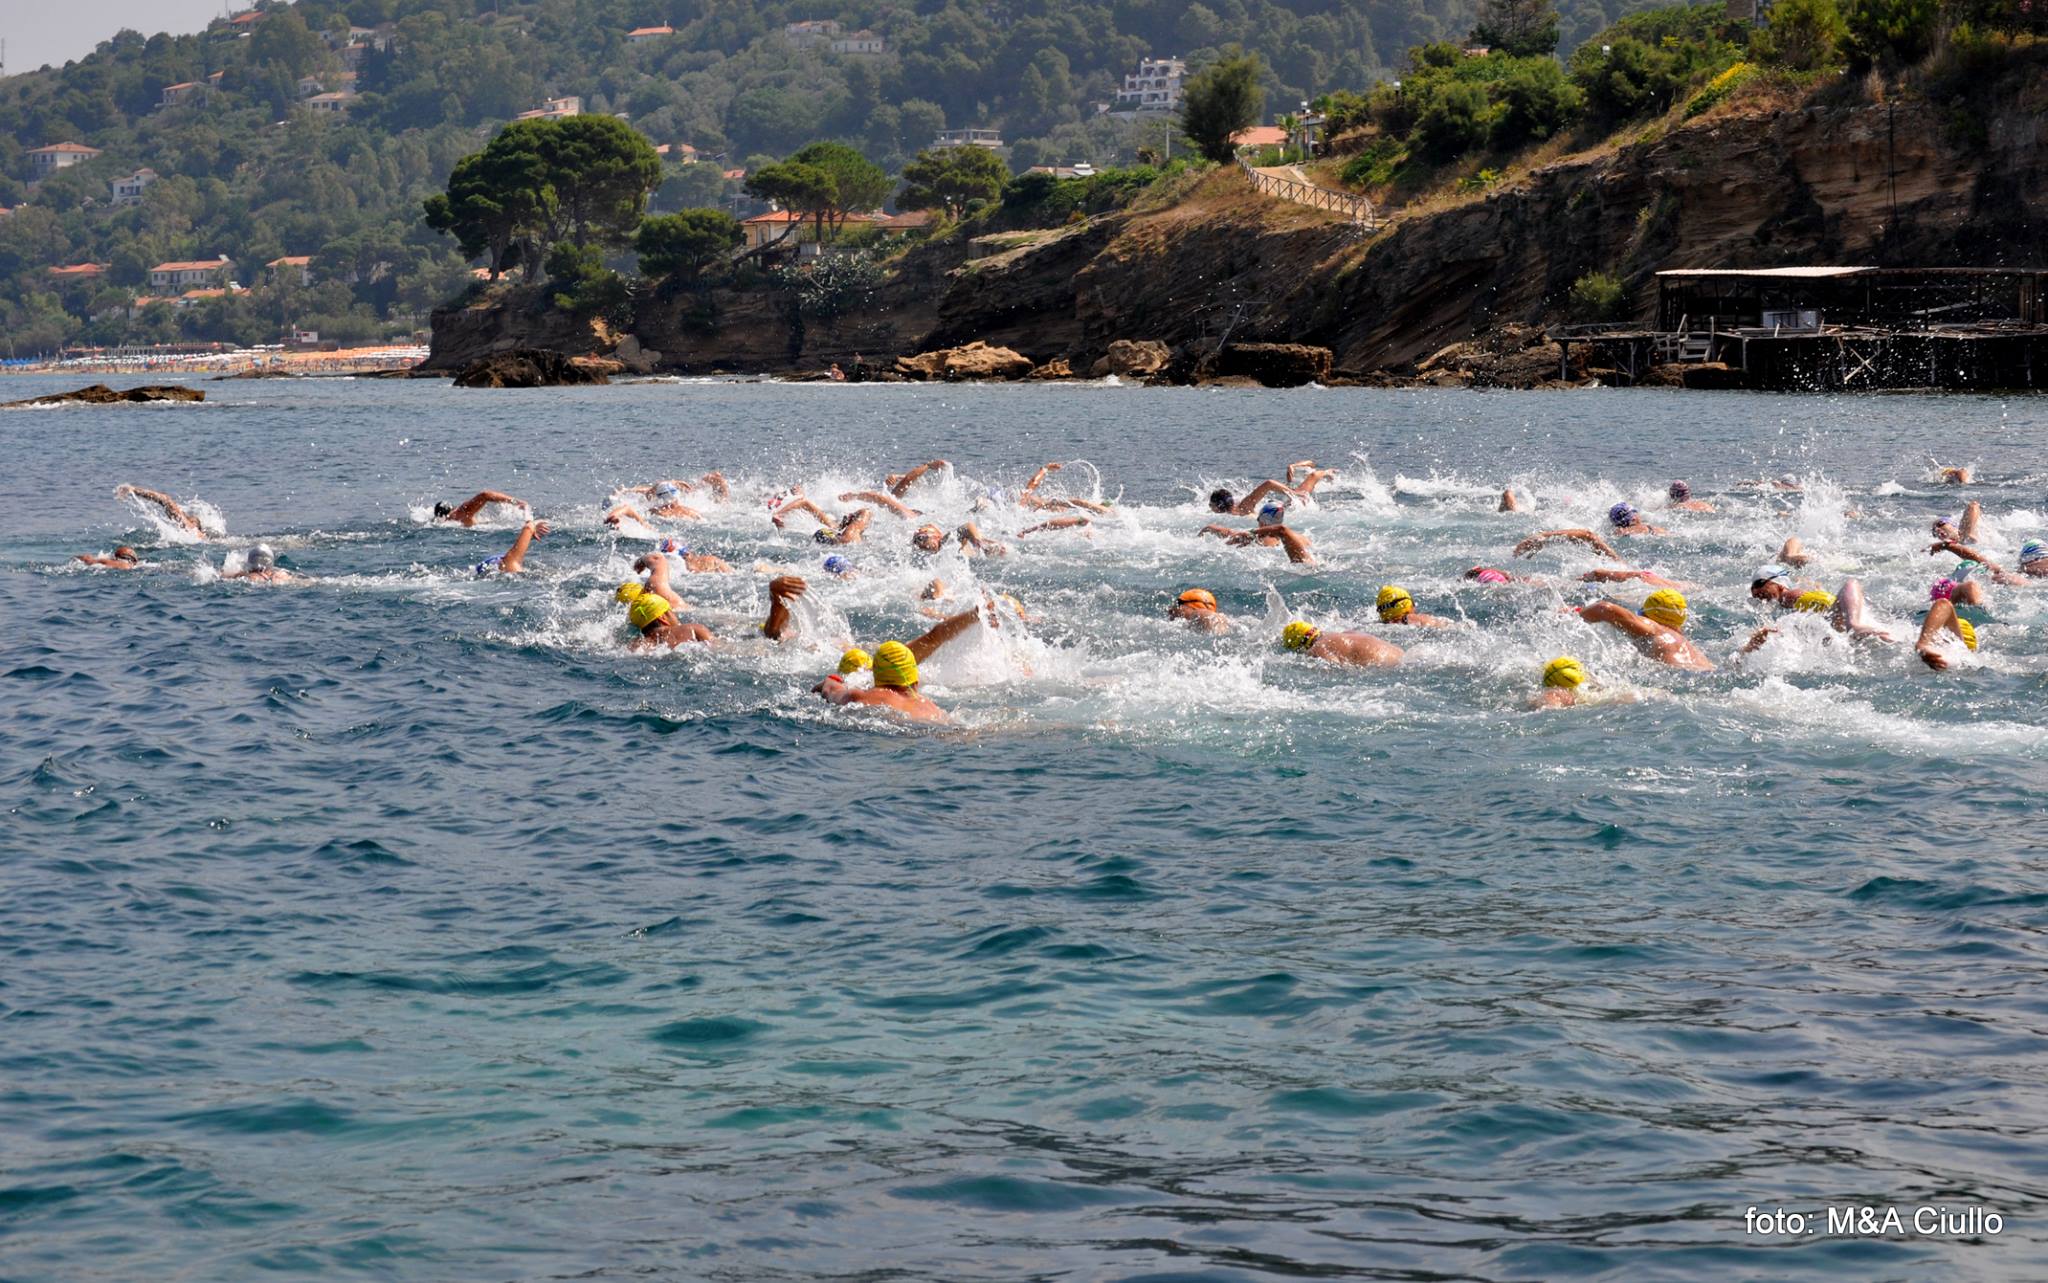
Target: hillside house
{"type": "Point", "coordinates": [641, 35]}
{"type": "Point", "coordinates": [1079, 169]}
{"type": "Point", "coordinates": [297, 268]}
{"type": "Point", "coordinates": [814, 32]}
{"type": "Point", "coordinates": [191, 274]}
{"type": "Point", "coordinates": [128, 191]}
{"type": "Point", "coordinates": [989, 138]}
{"type": "Point", "coordinates": [334, 104]}
{"type": "Point", "coordinates": [860, 43]}
{"type": "Point", "coordinates": [1154, 86]}
{"type": "Point", "coordinates": [78, 272]}
{"type": "Point", "coordinates": [554, 109]}
{"type": "Point", "coordinates": [1259, 136]}
{"type": "Point", "coordinates": [181, 93]}
{"type": "Point", "coordinates": [44, 161]}
{"type": "Point", "coordinates": [762, 229]}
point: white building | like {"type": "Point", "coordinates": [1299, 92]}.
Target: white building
{"type": "Point", "coordinates": [128, 191]}
{"type": "Point", "coordinates": [44, 161]}
{"type": "Point", "coordinates": [1154, 86]}
{"type": "Point", "coordinates": [334, 104]}
{"type": "Point", "coordinates": [189, 275]}
{"type": "Point", "coordinates": [814, 32]}
{"type": "Point", "coordinates": [989, 138]}
{"type": "Point", "coordinates": [554, 109]}
{"type": "Point", "coordinates": [641, 35]}
{"type": "Point", "coordinates": [860, 42]}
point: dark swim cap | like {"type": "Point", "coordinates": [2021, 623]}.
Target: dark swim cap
{"type": "Point", "coordinates": [1220, 500]}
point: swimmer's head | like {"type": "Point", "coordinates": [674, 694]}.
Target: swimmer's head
{"type": "Point", "coordinates": [1487, 575]}
{"type": "Point", "coordinates": [667, 491]}
{"type": "Point", "coordinates": [1968, 631]}
{"type": "Point", "coordinates": [2030, 551]}
{"type": "Point", "coordinates": [1680, 492]}
{"type": "Point", "coordinates": [894, 665]}
{"type": "Point", "coordinates": [647, 609]}
{"type": "Point", "coordinates": [825, 534]}
{"type": "Point", "coordinates": [1564, 672]}
{"type": "Point", "coordinates": [1943, 589]}
{"type": "Point", "coordinates": [1622, 515]}
{"type": "Point", "coordinates": [1814, 601]}
{"type": "Point", "coordinates": [443, 511]}
{"type": "Point", "coordinates": [629, 592]}
{"type": "Point", "coordinates": [838, 565]}
{"type": "Point", "coordinates": [1946, 529]}
{"type": "Point", "coordinates": [1193, 601]}
{"type": "Point", "coordinates": [1667, 606]}
{"type": "Point", "coordinates": [1272, 512]}
{"type": "Point", "coordinates": [674, 548]}
{"type": "Point", "coordinates": [125, 553]}
{"type": "Point", "coordinates": [855, 660]}
{"type": "Point", "coordinates": [1299, 635]}
{"type": "Point", "coordinates": [1770, 583]}
{"type": "Point", "coordinates": [1221, 500]}
{"type": "Point", "coordinates": [928, 538]}
{"type": "Point", "coordinates": [261, 558]}
{"type": "Point", "coordinates": [1394, 604]}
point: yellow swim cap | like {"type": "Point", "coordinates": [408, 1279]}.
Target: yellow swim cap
{"type": "Point", "coordinates": [895, 665]}
{"type": "Point", "coordinates": [1815, 600]}
{"type": "Point", "coordinates": [1666, 606]}
{"type": "Point", "coordinates": [1394, 604]}
{"type": "Point", "coordinates": [1564, 672]}
{"type": "Point", "coordinates": [854, 660]}
{"type": "Point", "coordinates": [647, 608]}
{"type": "Point", "coordinates": [1299, 635]}
{"type": "Point", "coordinates": [630, 590]}
{"type": "Point", "coordinates": [1968, 630]}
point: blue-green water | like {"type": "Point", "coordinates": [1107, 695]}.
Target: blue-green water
{"type": "Point", "coordinates": [401, 925]}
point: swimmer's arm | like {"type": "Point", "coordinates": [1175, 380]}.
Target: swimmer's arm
{"type": "Point", "coordinates": [1221, 532]}
{"type": "Point", "coordinates": [970, 536]}
{"type": "Point", "coordinates": [856, 524]}
{"type": "Point", "coordinates": [171, 507]}
{"type": "Point", "coordinates": [1508, 502]}
{"type": "Point", "coordinates": [835, 690]}
{"type": "Point", "coordinates": [899, 483]}
{"type": "Point", "coordinates": [1973, 512]}
{"type": "Point", "coordinates": [798, 505]}
{"type": "Point", "coordinates": [623, 511]}
{"type": "Point", "coordinates": [1250, 503]}
{"type": "Point", "coordinates": [1941, 615]}
{"type": "Point", "coordinates": [1583, 536]}
{"type": "Point", "coordinates": [515, 560]}
{"type": "Point", "coordinates": [656, 567]}
{"type": "Point", "coordinates": [896, 506]}
{"type": "Point", "coordinates": [781, 622]}
{"type": "Point", "coordinates": [716, 480]}
{"type": "Point", "coordinates": [1057, 523]}
{"type": "Point", "coordinates": [1295, 543]}
{"type": "Point", "coordinates": [467, 510]}
{"type": "Point", "coordinates": [1620, 616]}
{"type": "Point", "coordinates": [1757, 639]}
{"type": "Point", "coordinates": [1041, 475]}
{"type": "Point", "coordinates": [942, 632]}
{"type": "Point", "coordinates": [1964, 551]}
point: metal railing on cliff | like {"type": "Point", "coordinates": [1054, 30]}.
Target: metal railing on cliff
{"type": "Point", "coordinates": [1356, 208]}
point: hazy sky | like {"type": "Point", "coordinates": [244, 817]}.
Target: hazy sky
{"type": "Point", "coordinates": [46, 31]}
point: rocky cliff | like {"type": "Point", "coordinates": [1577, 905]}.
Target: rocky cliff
{"type": "Point", "coordinates": [1754, 183]}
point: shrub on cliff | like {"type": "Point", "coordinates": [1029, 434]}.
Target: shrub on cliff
{"type": "Point", "coordinates": [1641, 64]}
{"type": "Point", "coordinates": [678, 247]}
{"type": "Point", "coordinates": [1597, 297]}
{"type": "Point", "coordinates": [1457, 120]}
{"type": "Point", "coordinates": [1219, 100]}
{"type": "Point", "coordinates": [1536, 101]}
{"type": "Point", "coordinates": [584, 286]}
{"type": "Point", "coordinates": [1518, 28]}
{"type": "Point", "coordinates": [950, 178]}
{"type": "Point", "coordinates": [1804, 35]}
{"type": "Point", "coordinates": [1889, 33]}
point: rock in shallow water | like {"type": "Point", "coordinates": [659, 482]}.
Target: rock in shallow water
{"type": "Point", "coordinates": [101, 394]}
{"type": "Point", "coordinates": [530, 368]}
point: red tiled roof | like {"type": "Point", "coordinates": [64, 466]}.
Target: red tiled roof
{"type": "Point", "coordinates": [291, 260]}
{"type": "Point", "coordinates": [652, 31]}
{"type": "Point", "coordinates": [1260, 136]}
{"type": "Point", "coordinates": [776, 216]}
{"type": "Point", "coordinates": [67, 147]}
{"type": "Point", "coordinates": [196, 265]}
{"type": "Point", "coordinates": [80, 269]}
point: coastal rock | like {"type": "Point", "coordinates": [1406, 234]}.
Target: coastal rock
{"type": "Point", "coordinates": [1276, 365]}
{"type": "Point", "coordinates": [1057, 368]}
{"type": "Point", "coordinates": [1509, 356]}
{"type": "Point", "coordinates": [976, 360]}
{"type": "Point", "coordinates": [101, 394]}
{"type": "Point", "coordinates": [633, 358]}
{"type": "Point", "coordinates": [532, 368]}
{"type": "Point", "coordinates": [1132, 359]}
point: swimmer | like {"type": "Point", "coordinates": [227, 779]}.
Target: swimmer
{"type": "Point", "coordinates": [1508, 502]}
{"type": "Point", "coordinates": [840, 567]}
{"type": "Point", "coordinates": [465, 513]}
{"type": "Point", "coordinates": [1964, 528]}
{"type": "Point", "coordinates": [1607, 575]}
{"type": "Point", "coordinates": [2034, 559]}
{"type": "Point", "coordinates": [1657, 631]}
{"type": "Point", "coordinates": [667, 501]}
{"type": "Point", "coordinates": [849, 529]}
{"type": "Point", "coordinates": [1952, 476]}
{"type": "Point", "coordinates": [894, 665]}
{"type": "Point", "coordinates": [654, 610]}
{"type": "Point", "coordinates": [513, 559]}
{"type": "Point", "coordinates": [1196, 607]}
{"type": "Point", "coordinates": [1627, 521]}
{"type": "Point", "coordinates": [1223, 503]}
{"type": "Point", "coordinates": [1793, 553]}
{"type": "Point", "coordinates": [1845, 608]}
{"type": "Point", "coordinates": [929, 538]}
{"type": "Point", "coordinates": [714, 480]}
{"type": "Point", "coordinates": [698, 563]}
{"type": "Point", "coordinates": [1682, 500]}
{"type": "Point", "coordinates": [1494, 576]}
{"type": "Point", "coordinates": [1029, 497]}
{"type": "Point", "coordinates": [1587, 537]}
{"type": "Point", "coordinates": [1562, 678]}
{"type": "Point", "coordinates": [1356, 650]}
{"type": "Point", "coordinates": [123, 558]}
{"type": "Point", "coordinates": [1943, 619]}
{"type": "Point", "coordinates": [1272, 530]}
{"type": "Point", "coordinates": [624, 512]}
{"type": "Point", "coordinates": [898, 482]}
{"type": "Point", "coordinates": [169, 506]}
{"type": "Point", "coordinates": [1396, 606]}
{"type": "Point", "coordinates": [1960, 586]}
{"type": "Point", "coordinates": [1999, 574]}
{"type": "Point", "coordinates": [260, 566]}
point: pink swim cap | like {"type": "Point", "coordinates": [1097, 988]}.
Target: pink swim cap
{"type": "Point", "coordinates": [1488, 575]}
{"type": "Point", "coordinates": [1943, 590]}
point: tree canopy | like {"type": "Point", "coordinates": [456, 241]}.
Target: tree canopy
{"type": "Point", "coordinates": [679, 247]}
{"type": "Point", "coordinates": [1219, 100]}
{"type": "Point", "coordinates": [948, 178]}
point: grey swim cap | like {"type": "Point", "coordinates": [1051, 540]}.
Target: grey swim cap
{"type": "Point", "coordinates": [262, 558]}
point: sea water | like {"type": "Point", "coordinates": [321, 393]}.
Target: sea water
{"type": "Point", "coordinates": [402, 925]}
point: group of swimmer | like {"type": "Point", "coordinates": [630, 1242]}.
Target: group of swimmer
{"type": "Point", "coordinates": [655, 611]}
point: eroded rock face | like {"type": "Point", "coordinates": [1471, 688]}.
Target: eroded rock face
{"type": "Point", "coordinates": [1275, 365]}
{"type": "Point", "coordinates": [1132, 359]}
{"type": "Point", "coordinates": [976, 360]}
{"type": "Point", "coordinates": [101, 394]}
{"type": "Point", "coordinates": [1057, 368]}
{"type": "Point", "coordinates": [531, 368]}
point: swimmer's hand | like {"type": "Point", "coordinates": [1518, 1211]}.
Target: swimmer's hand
{"type": "Point", "coordinates": [1933, 659]}
{"type": "Point", "coordinates": [787, 587]}
{"type": "Point", "coordinates": [540, 528]}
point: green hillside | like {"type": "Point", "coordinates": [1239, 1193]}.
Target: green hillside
{"type": "Point", "coordinates": [256, 159]}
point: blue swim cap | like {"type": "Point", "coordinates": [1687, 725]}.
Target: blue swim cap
{"type": "Point", "coordinates": [489, 564]}
{"type": "Point", "coordinates": [837, 565]}
{"type": "Point", "coordinates": [1621, 514]}
{"type": "Point", "coordinates": [668, 490]}
{"type": "Point", "coordinates": [674, 548]}
{"type": "Point", "coordinates": [1272, 513]}
{"type": "Point", "coordinates": [2033, 550]}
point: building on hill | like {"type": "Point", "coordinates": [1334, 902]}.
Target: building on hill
{"type": "Point", "coordinates": [860, 44]}
{"type": "Point", "coordinates": [183, 92]}
{"type": "Point", "coordinates": [246, 22]}
{"type": "Point", "coordinates": [290, 266]}
{"type": "Point", "coordinates": [763, 229]}
{"type": "Point", "coordinates": [813, 32]}
{"type": "Point", "coordinates": [989, 138]}
{"type": "Point", "coordinates": [190, 274]}
{"type": "Point", "coordinates": [128, 191]}
{"type": "Point", "coordinates": [641, 35]}
{"type": "Point", "coordinates": [334, 104]}
{"type": "Point", "coordinates": [1154, 86]}
{"type": "Point", "coordinates": [554, 109]}
{"type": "Point", "coordinates": [310, 85]}
{"type": "Point", "coordinates": [44, 161]}
{"type": "Point", "coordinates": [191, 297]}
{"type": "Point", "coordinates": [910, 220]}
{"type": "Point", "coordinates": [78, 272]}
{"type": "Point", "coordinates": [1259, 136]}
{"type": "Point", "coordinates": [1079, 169]}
